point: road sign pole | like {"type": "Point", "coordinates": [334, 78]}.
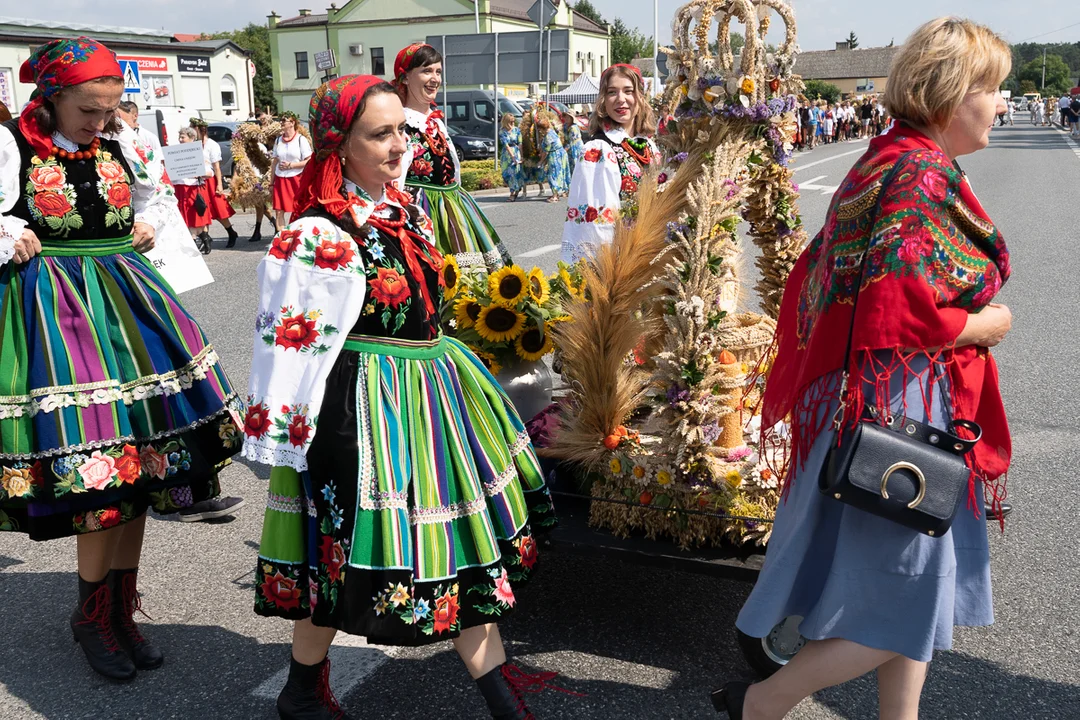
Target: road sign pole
{"type": "Point", "coordinates": [445, 87]}
{"type": "Point", "coordinates": [495, 99]}
{"type": "Point", "coordinates": [547, 75]}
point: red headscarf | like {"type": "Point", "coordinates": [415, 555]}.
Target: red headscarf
{"type": "Point", "coordinates": [57, 65]}
{"type": "Point", "coordinates": [632, 68]}
{"type": "Point", "coordinates": [401, 63]}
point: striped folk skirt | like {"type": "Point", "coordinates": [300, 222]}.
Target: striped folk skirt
{"type": "Point", "coordinates": [461, 229]}
{"type": "Point", "coordinates": [111, 398]}
{"type": "Point", "coordinates": [415, 518]}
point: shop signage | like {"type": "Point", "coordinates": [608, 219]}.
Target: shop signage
{"type": "Point", "coordinates": [152, 64]}
{"type": "Point", "coordinates": [193, 64]}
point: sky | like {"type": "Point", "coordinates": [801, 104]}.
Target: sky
{"type": "Point", "coordinates": [820, 22]}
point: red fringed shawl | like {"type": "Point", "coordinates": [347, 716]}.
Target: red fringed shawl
{"type": "Point", "coordinates": [935, 256]}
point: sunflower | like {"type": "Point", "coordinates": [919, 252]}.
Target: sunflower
{"type": "Point", "coordinates": [451, 275]}
{"type": "Point", "coordinates": [508, 286]}
{"type": "Point", "coordinates": [466, 310]}
{"type": "Point", "coordinates": [534, 344]}
{"type": "Point", "coordinates": [497, 323]}
{"type": "Point", "coordinates": [489, 360]}
{"type": "Point", "coordinates": [538, 286]}
{"type": "Point", "coordinates": [573, 290]}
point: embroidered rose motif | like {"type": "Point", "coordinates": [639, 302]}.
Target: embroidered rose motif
{"type": "Point", "coordinates": [592, 155]}
{"type": "Point", "coordinates": [332, 556]}
{"type": "Point", "coordinates": [52, 204]}
{"type": "Point", "coordinates": [47, 178]}
{"type": "Point", "coordinates": [591, 214]}
{"type": "Point", "coordinates": [128, 465]}
{"type": "Point", "coordinates": [257, 421]}
{"type": "Point", "coordinates": [17, 482]}
{"type": "Point", "coordinates": [422, 168]}
{"type": "Point", "coordinates": [110, 171]}
{"type": "Point", "coordinates": [98, 471]}
{"type": "Point", "coordinates": [572, 213]}
{"type": "Point", "coordinates": [296, 332]}
{"type": "Point", "coordinates": [333, 255]}
{"type": "Point", "coordinates": [299, 430]}
{"type": "Point", "coordinates": [154, 463]}
{"type": "Point", "coordinates": [608, 215]}
{"type": "Point", "coordinates": [628, 185]}
{"type": "Point", "coordinates": [389, 287]}
{"type": "Point", "coordinates": [109, 517]}
{"type": "Point", "coordinates": [446, 610]}
{"type": "Point", "coordinates": [119, 195]}
{"type": "Point", "coordinates": [527, 550]}
{"type": "Point", "coordinates": [281, 591]}
{"type": "Point", "coordinates": [284, 244]}
{"type": "Point", "coordinates": [503, 592]}
{"type": "Point", "coordinates": [935, 185]}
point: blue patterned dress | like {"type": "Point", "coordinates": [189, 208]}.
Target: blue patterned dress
{"type": "Point", "coordinates": [510, 158]}
{"type": "Point", "coordinates": [575, 146]}
{"type": "Point", "coordinates": [557, 164]}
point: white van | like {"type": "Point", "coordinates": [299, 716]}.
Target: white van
{"type": "Point", "coordinates": [166, 122]}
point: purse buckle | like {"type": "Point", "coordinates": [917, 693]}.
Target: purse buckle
{"type": "Point", "coordinates": [918, 476]}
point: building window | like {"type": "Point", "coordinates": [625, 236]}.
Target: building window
{"type": "Point", "coordinates": [378, 62]}
{"type": "Point", "coordinates": [228, 92]}
{"type": "Point", "coordinates": [602, 62]}
{"type": "Point", "coordinates": [301, 66]}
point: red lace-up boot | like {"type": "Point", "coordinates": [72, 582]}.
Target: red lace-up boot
{"type": "Point", "coordinates": [126, 603]}
{"type": "Point", "coordinates": [92, 626]}
{"type": "Point", "coordinates": [504, 688]}
{"type": "Point", "coordinates": [307, 694]}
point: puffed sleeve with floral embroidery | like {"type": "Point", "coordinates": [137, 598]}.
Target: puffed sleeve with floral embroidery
{"type": "Point", "coordinates": [593, 204]}
{"type": "Point", "coordinates": [311, 292]}
{"type": "Point", "coordinates": [11, 227]}
{"type": "Point", "coordinates": [152, 197]}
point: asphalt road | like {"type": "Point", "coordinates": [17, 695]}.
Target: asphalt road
{"type": "Point", "coordinates": [639, 642]}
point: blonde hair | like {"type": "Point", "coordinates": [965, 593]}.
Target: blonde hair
{"type": "Point", "coordinates": [943, 61]}
{"type": "Point", "coordinates": [644, 120]}
{"type": "Point", "coordinates": [507, 121]}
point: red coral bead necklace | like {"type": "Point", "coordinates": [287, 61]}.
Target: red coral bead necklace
{"type": "Point", "coordinates": [78, 154]}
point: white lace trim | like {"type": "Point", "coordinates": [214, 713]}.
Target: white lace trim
{"type": "Point", "coordinates": [523, 441]}
{"type": "Point", "coordinates": [293, 505]}
{"type": "Point", "coordinates": [274, 456]}
{"type": "Point", "coordinates": [105, 392]}
{"type": "Point", "coordinates": [485, 259]}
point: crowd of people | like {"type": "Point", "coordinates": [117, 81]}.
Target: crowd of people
{"type": "Point", "coordinates": [405, 494]}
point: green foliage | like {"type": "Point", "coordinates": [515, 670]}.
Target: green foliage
{"type": "Point", "coordinates": [852, 40]}
{"type": "Point", "coordinates": [628, 43]}
{"type": "Point", "coordinates": [1024, 53]}
{"type": "Point", "coordinates": [480, 175]}
{"type": "Point", "coordinates": [1058, 80]}
{"type": "Point", "coordinates": [256, 40]}
{"type": "Point", "coordinates": [586, 8]}
{"type": "Point", "coordinates": [821, 90]}
{"type": "Point", "coordinates": [737, 43]}
{"type": "Point", "coordinates": [1027, 86]}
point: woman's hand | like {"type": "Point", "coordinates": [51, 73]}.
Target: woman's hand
{"type": "Point", "coordinates": [142, 237]}
{"type": "Point", "coordinates": [986, 328]}
{"type": "Point", "coordinates": [285, 165]}
{"type": "Point", "coordinates": [26, 246]}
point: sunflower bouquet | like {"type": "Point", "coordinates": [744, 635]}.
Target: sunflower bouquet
{"type": "Point", "coordinates": [506, 316]}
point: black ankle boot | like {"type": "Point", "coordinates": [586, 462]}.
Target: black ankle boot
{"type": "Point", "coordinates": [307, 694]}
{"type": "Point", "coordinates": [730, 699]}
{"type": "Point", "coordinates": [256, 236]}
{"type": "Point", "coordinates": [504, 689]}
{"type": "Point", "coordinates": [92, 626]}
{"type": "Point", "coordinates": [205, 239]}
{"type": "Point", "coordinates": [125, 604]}
{"type": "Point", "coordinates": [232, 236]}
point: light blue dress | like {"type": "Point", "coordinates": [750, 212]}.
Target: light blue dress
{"type": "Point", "coordinates": [557, 165]}
{"type": "Point", "coordinates": [575, 147]}
{"type": "Point", "coordinates": [860, 577]}
{"type": "Point", "coordinates": [510, 159]}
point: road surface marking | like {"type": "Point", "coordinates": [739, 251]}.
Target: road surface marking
{"type": "Point", "coordinates": [828, 159]}
{"type": "Point", "coordinates": [1072, 144]}
{"type": "Point", "coordinates": [577, 665]}
{"type": "Point", "coordinates": [542, 250]}
{"type": "Point", "coordinates": [352, 660]}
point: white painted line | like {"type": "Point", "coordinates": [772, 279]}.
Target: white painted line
{"type": "Point", "coordinates": [585, 666]}
{"type": "Point", "coordinates": [812, 180]}
{"type": "Point", "coordinates": [829, 159]}
{"type": "Point", "coordinates": [352, 660]}
{"type": "Point", "coordinates": [542, 250]}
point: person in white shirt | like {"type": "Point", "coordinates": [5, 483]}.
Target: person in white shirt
{"type": "Point", "coordinates": [291, 153]}
{"type": "Point", "coordinates": [194, 201]}
{"type": "Point", "coordinates": [1063, 110]}
{"type": "Point", "coordinates": [220, 209]}
{"type": "Point", "coordinates": [129, 113]}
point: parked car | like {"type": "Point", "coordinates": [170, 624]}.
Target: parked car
{"type": "Point", "coordinates": [473, 111]}
{"type": "Point", "coordinates": [470, 147]}
{"type": "Point", "coordinates": [221, 133]}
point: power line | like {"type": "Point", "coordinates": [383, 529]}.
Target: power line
{"type": "Point", "coordinates": [1049, 33]}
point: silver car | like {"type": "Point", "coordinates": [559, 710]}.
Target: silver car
{"type": "Point", "coordinates": [221, 133]}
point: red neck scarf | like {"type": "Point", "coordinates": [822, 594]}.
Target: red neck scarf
{"type": "Point", "coordinates": [57, 65]}
{"type": "Point", "coordinates": [414, 246]}
{"type": "Point", "coordinates": [936, 257]}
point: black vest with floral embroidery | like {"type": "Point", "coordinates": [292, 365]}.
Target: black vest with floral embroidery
{"type": "Point", "coordinates": [74, 199]}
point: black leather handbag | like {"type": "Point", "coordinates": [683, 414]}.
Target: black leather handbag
{"type": "Point", "coordinates": [895, 467]}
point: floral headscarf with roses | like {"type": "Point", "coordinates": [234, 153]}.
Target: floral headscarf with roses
{"type": "Point", "coordinates": [57, 65]}
{"type": "Point", "coordinates": [402, 61]}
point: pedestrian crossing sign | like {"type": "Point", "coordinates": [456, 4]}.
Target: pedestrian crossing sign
{"type": "Point", "coordinates": [130, 71]}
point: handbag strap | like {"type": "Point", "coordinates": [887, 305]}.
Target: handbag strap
{"type": "Point", "coordinates": [862, 273]}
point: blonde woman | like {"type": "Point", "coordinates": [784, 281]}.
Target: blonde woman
{"type": "Point", "coordinates": [875, 595]}
{"type": "Point", "coordinates": [618, 151]}
{"type": "Point", "coordinates": [510, 156]}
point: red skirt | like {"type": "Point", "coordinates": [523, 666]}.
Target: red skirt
{"type": "Point", "coordinates": [220, 209]}
{"type": "Point", "coordinates": [185, 197]}
{"type": "Point", "coordinates": [285, 191]}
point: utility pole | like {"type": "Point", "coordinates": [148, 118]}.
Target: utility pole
{"type": "Point", "coordinates": [656, 48]}
{"type": "Point", "coordinates": [476, 4]}
{"type": "Point", "coordinates": [1043, 86]}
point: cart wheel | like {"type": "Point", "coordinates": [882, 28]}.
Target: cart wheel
{"type": "Point", "coordinates": [768, 654]}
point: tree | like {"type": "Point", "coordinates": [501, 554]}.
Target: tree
{"type": "Point", "coordinates": [1026, 86]}
{"type": "Point", "coordinates": [737, 43]}
{"type": "Point", "coordinates": [1058, 81]}
{"type": "Point", "coordinates": [627, 43]}
{"type": "Point", "coordinates": [852, 40]}
{"type": "Point", "coordinates": [821, 90]}
{"type": "Point", "coordinates": [584, 7]}
{"type": "Point", "coordinates": [256, 40]}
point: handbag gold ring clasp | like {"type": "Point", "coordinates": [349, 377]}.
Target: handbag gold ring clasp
{"type": "Point", "coordinates": [918, 474]}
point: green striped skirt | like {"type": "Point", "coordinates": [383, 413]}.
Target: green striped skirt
{"type": "Point", "coordinates": [415, 518]}
{"type": "Point", "coordinates": [460, 227]}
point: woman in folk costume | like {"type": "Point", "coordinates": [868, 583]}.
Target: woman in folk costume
{"type": "Point", "coordinates": [575, 145]}
{"type": "Point", "coordinates": [220, 207]}
{"type": "Point", "coordinates": [431, 171]}
{"type": "Point", "coordinates": [554, 159]}
{"type": "Point", "coordinates": [403, 482]}
{"type": "Point", "coordinates": [193, 200]}
{"type": "Point", "coordinates": [921, 271]}
{"type": "Point", "coordinates": [617, 153]}
{"type": "Point", "coordinates": [510, 156]}
{"type": "Point", "coordinates": [113, 399]}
